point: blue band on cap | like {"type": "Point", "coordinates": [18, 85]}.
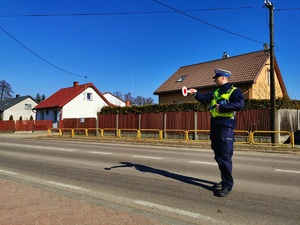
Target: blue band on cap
{"type": "Point", "coordinates": [222, 74]}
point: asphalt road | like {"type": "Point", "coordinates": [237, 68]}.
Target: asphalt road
{"type": "Point", "coordinates": [172, 182]}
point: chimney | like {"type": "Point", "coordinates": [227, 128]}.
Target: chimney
{"type": "Point", "coordinates": [75, 83]}
{"type": "Point", "coordinates": [127, 103]}
{"type": "Point", "coordinates": [225, 55]}
{"type": "Point", "coordinates": [17, 96]}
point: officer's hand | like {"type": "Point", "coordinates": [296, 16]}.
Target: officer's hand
{"type": "Point", "coordinates": [217, 107]}
{"type": "Point", "coordinates": [192, 91]}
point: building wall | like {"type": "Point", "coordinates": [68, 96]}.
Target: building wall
{"type": "Point", "coordinates": [47, 114]}
{"type": "Point", "coordinates": [23, 108]}
{"type": "Point", "coordinates": [261, 88]}
{"type": "Point", "coordinates": [82, 107]}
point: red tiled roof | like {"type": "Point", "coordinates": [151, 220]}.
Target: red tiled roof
{"type": "Point", "coordinates": [64, 95]}
{"type": "Point", "coordinates": [245, 69]}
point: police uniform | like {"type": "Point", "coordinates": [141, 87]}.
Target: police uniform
{"type": "Point", "coordinates": [230, 100]}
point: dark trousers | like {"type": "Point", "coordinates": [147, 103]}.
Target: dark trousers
{"type": "Point", "coordinates": [222, 145]}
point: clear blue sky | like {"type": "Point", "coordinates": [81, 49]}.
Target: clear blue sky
{"type": "Point", "coordinates": [135, 45]}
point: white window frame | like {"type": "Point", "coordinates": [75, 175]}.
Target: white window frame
{"type": "Point", "coordinates": [89, 96]}
{"type": "Point", "coordinates": [27, 106]}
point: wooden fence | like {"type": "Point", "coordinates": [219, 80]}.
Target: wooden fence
{"type": "Point", "coordinates": [10, 126]}
{"type": "Point", "coordinates": [249, 120]}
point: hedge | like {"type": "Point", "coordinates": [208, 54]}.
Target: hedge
{"type": "Point", "coordinates": [197, 107]}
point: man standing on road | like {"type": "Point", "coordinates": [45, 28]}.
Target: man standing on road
{"type": "Point", "coordinates": [225, 101]}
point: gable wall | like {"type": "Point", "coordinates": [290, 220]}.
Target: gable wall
{"type": "Point", "coordinates": [261, 89]}
{"type": "Point", "coordinates": [81, 107]}
{"type": "Point", "coordinates": [19, 110]}
{"type": "Point", "coordinates": [113, 100]}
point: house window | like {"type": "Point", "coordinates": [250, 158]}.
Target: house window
{"type": "Point", "coordinates": [89, 96]}
{"type": "Point", "coordinates": [268, 79]}
{"type": "Point", "coordinates": [27, 106]}
{"type": "Point", "coordinates": [181, 78]}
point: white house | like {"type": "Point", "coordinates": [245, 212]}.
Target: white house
{"type": "Point", "coordinates": [114, 99]}
{"type": "Point", "coordinates": [20, 106]}
{"type": "Point", "coordinates": [78, 101]}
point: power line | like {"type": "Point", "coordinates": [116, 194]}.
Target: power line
{"type": "Point", "coordinates": [125, 13]}
{"type": "Point", "coordinates": [140, 13]}
{"type": "Point", "coordinates": [202, 21]}
{"type": "Point", "coordinates": [39, 55]}
{"type": "Point", "coordinates": [295, 9]}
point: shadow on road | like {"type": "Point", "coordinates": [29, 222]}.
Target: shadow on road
{"type": "Point", "coordinates": [185, 179]}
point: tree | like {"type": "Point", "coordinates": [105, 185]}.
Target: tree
{"type": "Point", "coordinates": [5, 90]}
{"type": "Point", "coordinates": [118, 94]}
{"type": "Point", "coordinates": [38, 98]}
{"type": "Point", "coordinates": [129, 97]}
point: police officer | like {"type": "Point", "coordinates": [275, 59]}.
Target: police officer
{"type": "Point", "coordinates": [225, 101]}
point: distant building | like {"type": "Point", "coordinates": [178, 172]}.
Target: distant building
{"type": "Point", "coordinates": [114, 99]}
{"type": "Point", "coordinates": [78, 101]}
{"type": "Point", "coordinates": [20, 106]}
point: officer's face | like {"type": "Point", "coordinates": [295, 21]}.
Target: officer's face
{"type": "Point", "coordinates": [218, 81]}
{"type": "Point", "coordinates": [221, 80]}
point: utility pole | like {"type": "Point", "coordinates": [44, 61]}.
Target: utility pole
{"type": "Point", "coordinates": [270, 6]}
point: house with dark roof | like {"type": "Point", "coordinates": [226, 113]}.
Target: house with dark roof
{"type": "Point", "coordinates": [250, 73]}
{"type": "Point", "coordinates": [77, 101]}
{"type": "Point", "coordinates": [20, 106]}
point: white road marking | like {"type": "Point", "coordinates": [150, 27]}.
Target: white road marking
{"type": "Point", "coordinates": [145, 157]}
{"type": "Point", "coordinates": [206, 163]}
{"type": "Point", "coordinates": [65, 185]}
{"type": "Point", "coordinates": [102, 153]}
{"type": "Point", "coordinates": [287, 171]}
{"type": "Point", "coordinates": [177, 211]}
{"type": "Point", "coordinates": [40, 147]}
{"type": "Point", "coordinates": [8, 172]}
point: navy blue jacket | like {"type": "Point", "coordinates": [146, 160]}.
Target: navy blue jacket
{"type": "Point", "coordinates": [236, 103]}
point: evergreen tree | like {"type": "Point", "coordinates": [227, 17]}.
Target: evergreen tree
{"type": "Point", "coordinates": [5, 90]}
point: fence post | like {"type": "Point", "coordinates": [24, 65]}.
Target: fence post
{"type": "Point", "coordinates": [195, 125]}
{"type": "Point", "coordinates": [97, 125]}
{"type": "Point", "coordinates": [138, 134]}
{"type": "Point", "coordinates": [160, 135]}
{"type": "Point", "coordinates": [277, 127]}
{"type": "Point", "coordinates": [251, 137]}
{"type": "Point", "coordinates": [165, 124]}
{"type": "Point", "coordinates": [117, 125]}
{"type": "Point", "coordinates": [186, 135]}
{"type": "Point", "coordinates": [140, 120]}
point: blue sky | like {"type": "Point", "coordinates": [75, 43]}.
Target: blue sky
{"type": "Point", "coordinates": [135, 45]}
